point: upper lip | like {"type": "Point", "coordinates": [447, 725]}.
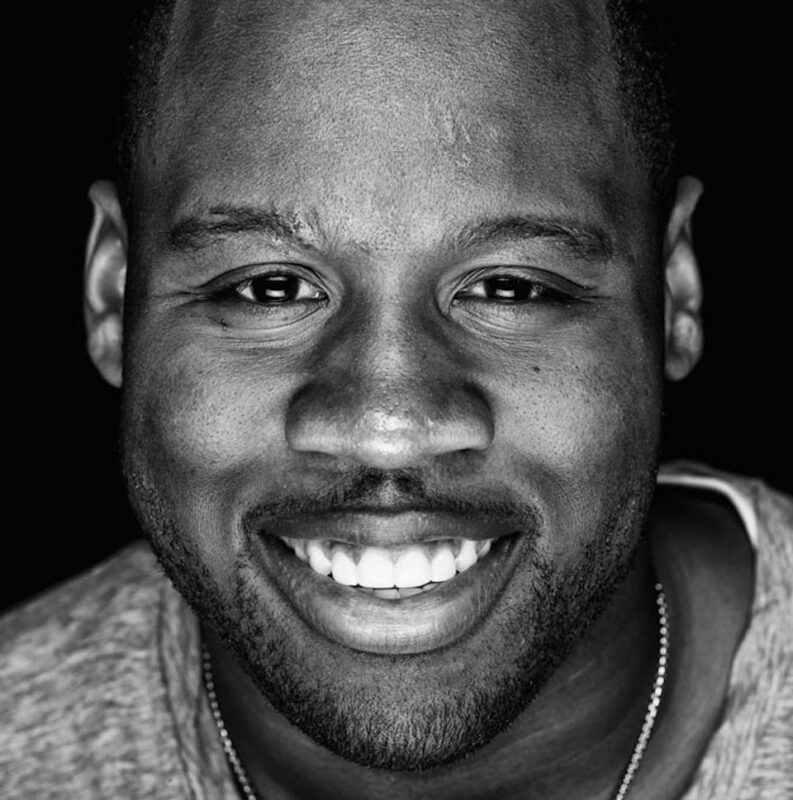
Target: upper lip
{"type": "Point", "coordinates": [382, 528]}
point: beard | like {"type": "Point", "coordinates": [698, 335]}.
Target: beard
{"type": "Point", "coordinates": [418, 711]}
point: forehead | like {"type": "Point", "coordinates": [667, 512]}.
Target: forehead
{"type": "Point", "coordinates": [390, 111]}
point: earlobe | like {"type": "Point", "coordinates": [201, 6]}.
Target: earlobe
{"type": "Point", "coordinates": [683, 287]}
{"type": "Point", "coordinates": [104, 281]}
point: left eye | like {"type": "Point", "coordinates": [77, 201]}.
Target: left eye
{"type": "Point", "coordinates": [277, 288]}
{"type": "Point", "coordinates": [507, 288]}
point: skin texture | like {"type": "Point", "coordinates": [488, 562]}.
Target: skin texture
{"type": "Point", "coordinates": [388, 150]}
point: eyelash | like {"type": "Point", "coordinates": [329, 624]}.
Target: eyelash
{"type": "Point", "coordinates": [530, 291]}
{"type": "Point", "coordinates": [233, 294]}
{"type": "Point", "coordinates": [291, 280]}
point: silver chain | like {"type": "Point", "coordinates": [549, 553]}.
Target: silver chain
{"type": "Point", "coordinates": [231, 753]}
{"type": "Point", "coordinates": [655, 696]}
{"type": "Point", "coordinates": [630, 771]}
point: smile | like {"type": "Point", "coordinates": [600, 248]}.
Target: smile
{"type": "Point", "coordinates": [389, 583]}
{"type": "Point", "coordinates": [391, 574]}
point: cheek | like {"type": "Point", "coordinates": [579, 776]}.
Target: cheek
{"type": "Point", "coordinates": [586, 413]}
{"type": "Point", "coordinates": [202, 416]}
{"type": "Point", "coordinates": [197, 427]}
{"type": "Point", "coordinates": [598, 412]}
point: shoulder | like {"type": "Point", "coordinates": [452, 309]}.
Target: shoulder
{"type": "Point", "coordinates": [737, 523]}
{"type": "Point", "coordinates": [741, 526]}
{"type": "Point", "coordinates": [77, 616]}
{"type": "Point", "coordinates": [78, 669]}
{"type": "Point", "coordinates": [765, 513]}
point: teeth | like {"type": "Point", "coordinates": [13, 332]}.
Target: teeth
{"type": "Point", "coordinates": [409, 591]}
{"type": "Point", "coordinates": [443, 566]}
{"type": "Point", "coordinates": [412, 568]}
{"type": "Point", "coordinates": [317, 559]}
{"type": "Point", "coordinates": [467, 556]}
{"type": "Point", "coordinates": [391, 573]}
{"type": "Point", "coordinates": [376, 569]}
{"type": "Point", "coordinates": [344, 569]}
{"type": "Point", "coordinates": [387, 594]}
{"type": "Point", "coordinates": [398, 594]}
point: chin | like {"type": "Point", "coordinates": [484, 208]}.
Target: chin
{"type": "Point", "coordinates": [418, 712]}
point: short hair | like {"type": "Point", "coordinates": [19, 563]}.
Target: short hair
{"type": "Point", "coordinates": [641, 45]}
{"type": "Point", "coordinates": [149, 34]}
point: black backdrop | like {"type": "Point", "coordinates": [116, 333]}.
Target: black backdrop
{"type": "Point", "coordinates": [65, 507]}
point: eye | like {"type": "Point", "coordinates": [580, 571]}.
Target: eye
{"type": "Point", "coordinates": [277, 288]}
{"type": "Point", "coordinates": [509, 298]}
{"type": "Point", "coordinates": [507, 288]}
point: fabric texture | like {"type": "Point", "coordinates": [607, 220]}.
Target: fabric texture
{"type": "Point", "coordinates": [101, 693]}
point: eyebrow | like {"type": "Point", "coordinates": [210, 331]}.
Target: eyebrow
{"type": "Point", "coordinates": [225, 221]}
{"type": "Point", "coordinates": [581, 240]}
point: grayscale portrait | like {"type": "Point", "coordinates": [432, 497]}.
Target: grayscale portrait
{"type": "Point", "coordinates": [370, 451]}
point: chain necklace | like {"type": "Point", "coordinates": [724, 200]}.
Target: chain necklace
{"type": "Point", "coordinates": [630, 771]}
{"type": "Point", "coordinates": [655, 696]}
{"type": "Point", "coordinates": [228, 746]}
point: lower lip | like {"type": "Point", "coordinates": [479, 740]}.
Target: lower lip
{"type": "Point", "coordinates": [415, 624]}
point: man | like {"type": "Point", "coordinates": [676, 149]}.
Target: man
{"type": "Point", "coordinates": [397, 285]}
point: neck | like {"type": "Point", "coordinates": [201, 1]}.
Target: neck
{"type": "Point", "coordinates": [573, 741]}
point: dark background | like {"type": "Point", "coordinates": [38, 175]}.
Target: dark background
{"type": "Point", "coordinates": [66, 509]}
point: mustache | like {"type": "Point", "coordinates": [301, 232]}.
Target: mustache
{"type": "Point", "coordinates": [380, 491]}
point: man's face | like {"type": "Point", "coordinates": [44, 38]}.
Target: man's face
{"type": "Point", "coordinates": [394, 295]}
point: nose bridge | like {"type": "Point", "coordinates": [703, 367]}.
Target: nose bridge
{"type": "Point", "coordinates": [388, 393]}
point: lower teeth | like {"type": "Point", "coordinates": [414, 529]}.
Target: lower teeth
{"type": "Point", "coordinates": [393, 593]}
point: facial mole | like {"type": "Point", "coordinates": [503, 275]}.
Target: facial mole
{"type": "Point", "coordinates": [224, 324]}
{"type": "Point", "coordinates": [536, 368]}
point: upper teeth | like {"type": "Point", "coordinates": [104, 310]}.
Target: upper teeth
{"type": "Point", "coordinates": [384, 568]}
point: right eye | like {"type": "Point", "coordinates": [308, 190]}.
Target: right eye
{"type": "Point", "coordinates": [277, 288]}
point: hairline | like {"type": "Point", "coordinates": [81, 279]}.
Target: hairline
{"type": "Point", "coordinates": [649, 121]}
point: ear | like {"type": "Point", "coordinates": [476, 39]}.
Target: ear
{"type": "Point", "coordinates": [104, 280]}
{"type": "Point", "coordinates": [682, 285]}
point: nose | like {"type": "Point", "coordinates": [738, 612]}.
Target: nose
{"type": "Point", "coordinates": [386, 399]}
{"type": "Point", "coordinates": [389, 426]}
